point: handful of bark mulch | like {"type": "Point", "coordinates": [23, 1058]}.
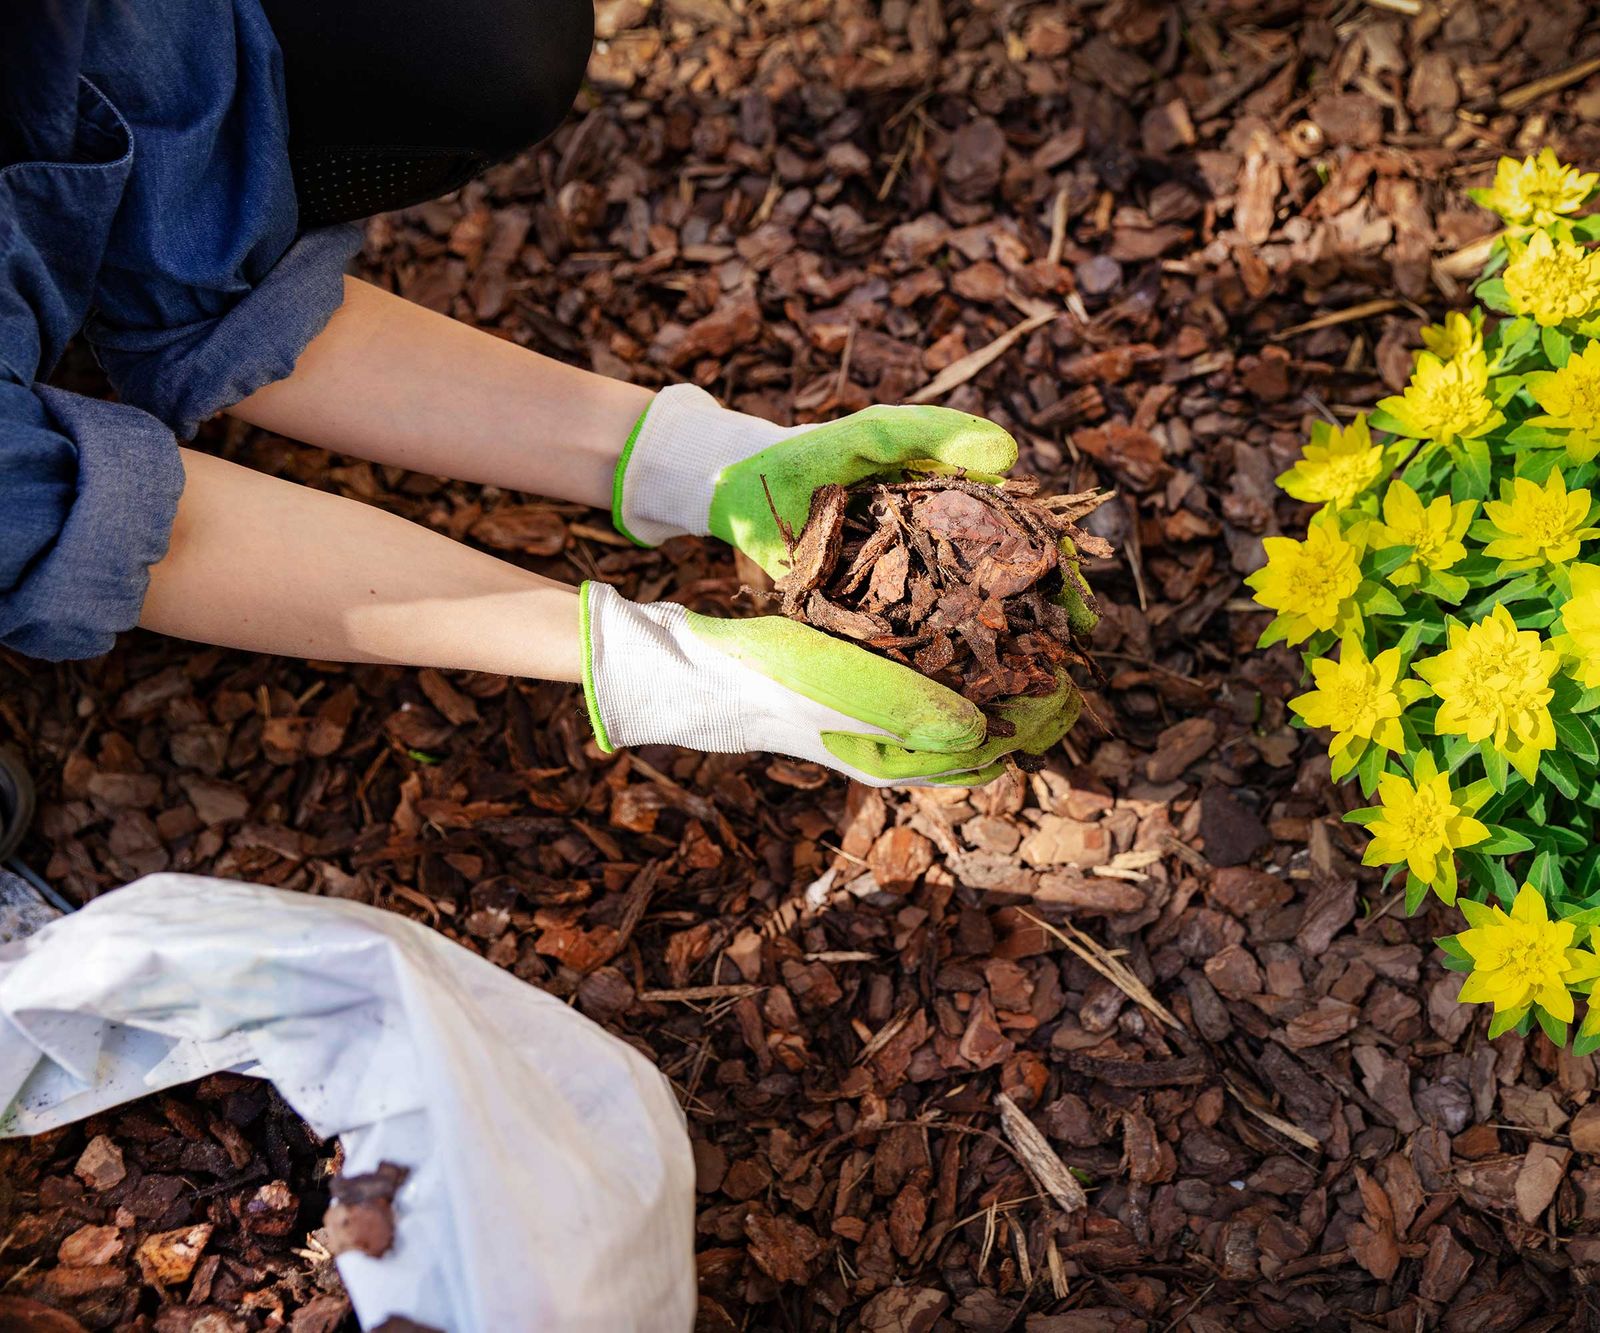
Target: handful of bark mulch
{"type": "Point", "coordinates": [973, 583]}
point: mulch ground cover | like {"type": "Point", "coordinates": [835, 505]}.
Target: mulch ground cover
{"type": "Point", "coordinates": [911, 1030]}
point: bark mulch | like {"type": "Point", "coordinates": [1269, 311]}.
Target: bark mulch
{"type": "Point", "coordinates": [1132, 1042]}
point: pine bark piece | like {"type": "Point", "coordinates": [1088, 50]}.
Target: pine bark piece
{"type": "Point", "coordinates": [816, 550]}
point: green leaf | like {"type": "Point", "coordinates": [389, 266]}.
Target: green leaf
{"type": "Point", "coordinates": [1378, 419]}
{"type": "Point", "coordinates": [1544, 875]}
{"type": "Point", "coordinates": [1492, 293]}
{"type": "Point", "coordinates": [1376, 600]}
{"type": "Point", "coordinates": [1576, 739]}
{"type": "Point", "coordinates": [1557, 346]}
{"type": "Point", "coordinates": [1494, 764]}
{"type": "Point", "coordinates": [1276, 632]}
{"type": "Point", "coordinates": [1416, 891]}
{"type": "Point", "coordinates": [1554, 1028]}
{"type": "Point", "coordinates": [1475, 466]}
{"type": "Point", "coordinates": [1559, 769]}
{"type": "Point", "coordinates": [1585, 1045]}
{"type": "Point", "coordinates": [1504, 841]}
{"type": "Point", "coordinates": [1452, 946]}
{"type": "Point", "coordinates": [1537, 437]}
{"type": "Point", "coordinates": [1370, 768]}
{"type": "Point", "coordinates": [1389, 559]}
{"type": "Point", "coordinates": [1445, 586]}
{"type": "Point", "coordinates": [1501, 1024]}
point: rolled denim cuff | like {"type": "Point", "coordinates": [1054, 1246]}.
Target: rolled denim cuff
{"type": "Point", "coordinates": [91, 582]}
{"type": "Point", "coordinates": [183, 376]}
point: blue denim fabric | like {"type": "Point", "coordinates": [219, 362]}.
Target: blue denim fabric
{"type": "Point", "coordinates": [144, 193]}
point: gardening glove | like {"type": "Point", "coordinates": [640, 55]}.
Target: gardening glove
{"type": "Point", "coordinates": [662, 674]}
{"type": "Point", "coordinates": [693, 466]}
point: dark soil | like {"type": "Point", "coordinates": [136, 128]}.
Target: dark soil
{"type": "Point", "coordinates": [1153, 240]}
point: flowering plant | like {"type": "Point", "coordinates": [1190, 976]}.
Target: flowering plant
{"type": "Point", "coordinates": [1446, 597]}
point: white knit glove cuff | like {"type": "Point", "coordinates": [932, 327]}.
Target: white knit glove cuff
{"type": "Point", "coordinates": [667, 473]}
{"type": "Point", "coordinates": [649, 680]}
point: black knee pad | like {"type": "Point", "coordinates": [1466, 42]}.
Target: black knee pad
{"type": "Point", "coordinates": [395, 101]}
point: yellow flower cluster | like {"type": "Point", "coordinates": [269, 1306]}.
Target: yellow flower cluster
{"type": "Point", "coordinates": [1310, 584]}
{"type": "Point", "coordinates": [1493, 682]}
{"type": "Point", "coordinates": [1421, 824]}
{"type": "Point", "coordinates": [1533, 524]}
{"type": "Point", "coordinates": [1432, 531]}
{"type": "Point", "coordinates": [1555, 281]}
{"type": "Point", "coordinates": [1446, 400]}
{"type": "Point", "coordinates": [1523, 958]}
{"type": "Point", "coordinates": [1570, 398]}
{"type": "Point", "coordinates": [1537, 191]}
{"type": "Point", "coordinates": [1450, 619]}
{"type": "Point", "coordinates": [1337, 467]}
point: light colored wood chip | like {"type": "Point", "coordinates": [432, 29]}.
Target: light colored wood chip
{"type": "Point", "coordinates": [959, 372]}
{"type": "Point", "coordinates": [1036, 1154]}
{"type": "Point", "coordinates": [1111, 968]}
{"type": "Point", "coordinates": [1529, 93]}
{"type": "Point", "coordinates": [690, 994]}
{"type": "Point", "coordinates": [1378, 307]}
{"type": "Point", "coordinates": [1287, 1128]}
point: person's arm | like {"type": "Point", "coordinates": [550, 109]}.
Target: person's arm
{"type": "Point", "coordinates": [259, 563]}
{"type": "Point", "coordinates": [392, 382]}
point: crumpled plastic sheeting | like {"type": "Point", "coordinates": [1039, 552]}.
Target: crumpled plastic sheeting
{"type": "Point", "coordinates": [551, 1181]}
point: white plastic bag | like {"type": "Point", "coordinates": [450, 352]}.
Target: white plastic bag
{"type": "Point", "coordinates": [551, 1183]}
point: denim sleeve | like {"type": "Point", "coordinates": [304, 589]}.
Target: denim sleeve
{"type": "Point", "coordinates": [207, 291]}
{"type": "Point", "coordinates": [91, 491]}
{"type": "Point", "coordinates": [183, 373]}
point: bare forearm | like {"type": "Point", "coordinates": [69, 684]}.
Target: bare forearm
{"type": "Point", "coordinates": [394, 383]}
{"type": "Point", "coordinates": [262, 564]}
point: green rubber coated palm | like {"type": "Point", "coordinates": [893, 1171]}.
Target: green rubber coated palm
{"type": "Point", "coordinates": [1040, 723]}
{"type": "Point", "coordinates": [841, 679]}
{"type": "Point", "coordinates": [865, 444]}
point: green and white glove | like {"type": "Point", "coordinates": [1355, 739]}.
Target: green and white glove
{"type": "Point", "coordinates": [694, 466]}
{"type": "Point", "coordinates": [664, 675]}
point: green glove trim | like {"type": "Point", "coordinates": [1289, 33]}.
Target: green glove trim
{"type": "Point", "coordinates": [585, 646]}
{"type": "Point", "coordinates": [616, 488]}
{"type": "Point", "coordinates": [844, 452]}
{"type": "Point", "coordinates": [921, 713]}
{"type": "Point", "coordinates": [1040, 723]}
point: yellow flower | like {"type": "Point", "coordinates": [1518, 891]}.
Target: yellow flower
{"type": "Point", "coordinates": [1357, 700]}
{"type": "Point", "coordinates": [1519, 959]}
{"type": "Point", "coordinates": [1580, 618]}
{"type": "Point", "coordinates": [1493, 681]}
{"type": "Point", "coordinates": [1554, 281]}
{"type": "Point", "coordinates": [1445, 400]}
{"type": "Point", "coordinates": [1336, 466]}
{"type": "Point", "coordinates": [1537, 190]}
{"type": "Point", "coordinates": [1571, 401]}
{"type": "Point", "coordinates": [1422, 825]}
{"type": "Point", "coordinates": [1536, 524]}
{"type": "Point", "coordinates": [1434, 532]}
{"type": "Point", "coordinates": [1457, 336]}
{"type": "Point", "coordinates": [1310, 584]}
